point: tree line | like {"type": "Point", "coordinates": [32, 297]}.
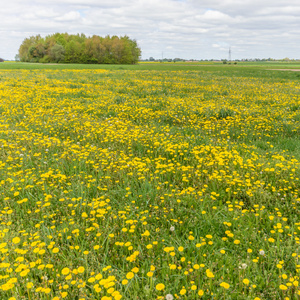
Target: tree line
{"type": "Point", "coordinates": [78, 48]}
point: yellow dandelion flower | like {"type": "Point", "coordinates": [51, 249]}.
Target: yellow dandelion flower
{"type": "Point", "coordinates": [225, 285]}
{"type": "Point", "coordinates": [16, 240]}
{"type": "Point", "coordinates": [160, 286]}
{"type": "Point", "coordinates": [182, 292]}
{"type": "Point", "coordinates": [129, 275]}
{"type": "Point", "coordinates": [283, 287]}
{"type": "Point", "coordinates": [65, 271]}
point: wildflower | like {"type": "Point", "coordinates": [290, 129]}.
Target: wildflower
{"type": "Point", "coordinates": [243, 266]}
{"type": "Point", "coordinates": [225, 285]}
{"type": "Point", "coordinates": [209, 273]}
{"type": "Point", "coordinates": [29, 285]}
{"type": "Point", "coordinates": [135, 270]}
{"type": "Point", "coordinates": [16, 240]}
{"type": "Point", "coordinates": [129, 275]}
{"type": "Point", "coordinates": [172, 228]}
{"type": "Point", "coordinates": [182, 291]}
{"type": "Point", "coordinates": [261, 252]}
{"type": "Point", "coordinates": [65, 271]}
{"type": "Point", "coordinates": [283, 287]}
{"type": "Point", "coordinates": [160, 287]}
{"type": "Point", "coordinates": [169, 297]}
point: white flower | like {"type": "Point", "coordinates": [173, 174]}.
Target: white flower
{"type": "Point", "coordinates": [243, 266]}
{"type": "Point", "coordinates": [169, 297]}
{"type": "Point", "coordinates": [172, 228]}
{"type": "Point", "coordinates": [261, 252]}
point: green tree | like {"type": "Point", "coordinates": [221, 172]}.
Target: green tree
{"type": "Point", "coordinates": [57, 53]}
{"type": "Point", "coordinates": [62, 47]}
{"type": "Point", "coordinates": [27, 45]}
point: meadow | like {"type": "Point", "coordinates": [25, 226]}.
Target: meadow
{"type": "Point", "coordinates": [154, 181]}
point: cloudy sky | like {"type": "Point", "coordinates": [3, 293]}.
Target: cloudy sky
{"type": "Point", "coordinates": [199, 29]}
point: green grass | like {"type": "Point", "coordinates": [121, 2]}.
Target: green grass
{"type": "Point", "coordinates": [152, 179]}
{"type": "Point", "coordinates": [243, 69]}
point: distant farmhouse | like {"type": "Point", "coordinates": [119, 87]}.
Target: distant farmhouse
{"type": "Point", "coordinates": [1, 59]}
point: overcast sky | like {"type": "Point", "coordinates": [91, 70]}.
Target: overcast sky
{"type": "Point", "coordinates": [198, 29]}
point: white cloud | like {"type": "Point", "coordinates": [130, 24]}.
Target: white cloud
{"type": "Point", "coordinates": [187, 28]}
{"type": "Point", "coordinates": [69, 16]}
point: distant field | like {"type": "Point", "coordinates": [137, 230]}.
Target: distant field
{"type": "Point", "coordinates": [151, 181]}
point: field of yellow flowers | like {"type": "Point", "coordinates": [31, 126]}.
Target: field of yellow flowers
{"type": "Point", "coordinates": [148, 184]}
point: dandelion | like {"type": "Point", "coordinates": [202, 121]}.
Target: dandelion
{"type": "Point", "coordinates": [169, 297]}
{"type": "Point", "coordinates": [135, 270]}
{"type": "Point", "coordinates": [29, 285]}
{"type": "Point", "coordinates": [209, 274]}
{"type": "Point", "coordinates": [279, 266]}
{"type": "Point", "coordinates": [160, 286]}
{"type": "Point", "coordinates": [65, 271]}
{"type": "Point", "coordinates": [172, 228]}
{"type": "Point", "coordinates": [129, 275]}
{"type": "Point", "coordinates": [16, 240]}
{"type": "Point", "coordinates": [182, 292]}
{"type": "Point", "coordinates": [243, 266]}
{"type": "Point", "coordinates": [225, 285]}
{"type": "Point", "coordinates": [283, 287]}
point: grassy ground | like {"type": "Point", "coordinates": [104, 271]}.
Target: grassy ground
{"type": "Point", "coordinates": [245, 69]}
{"type": "Point", "coordinates": [154, 181]}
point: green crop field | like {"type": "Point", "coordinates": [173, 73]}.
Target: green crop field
{"type": "Point", "coordinates": [149, 181]}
